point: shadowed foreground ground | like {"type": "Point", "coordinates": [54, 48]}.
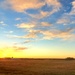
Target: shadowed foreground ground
{"type": "Point", "coordinates": [36, 67]}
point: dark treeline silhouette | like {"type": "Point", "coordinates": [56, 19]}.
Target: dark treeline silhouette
{"type": "Point", "coordinates": [69, 58]}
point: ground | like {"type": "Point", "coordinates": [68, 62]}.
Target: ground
{"type": "Point", "coordinates": [36, 67]}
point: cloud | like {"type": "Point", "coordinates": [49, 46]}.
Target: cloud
{"type": "Point", "coordinates": [25, 25]}
{"type": "Point", "coordinates": [2, 23]}
{"type": "Point", "coordinates": [44, 14]}
{"type": "Point", "coordinates": [48, 35]}
{"type": "Point", "coordinates": [27, 41]}
{"type": "Point", "coordinates": [22, 5]}
{"type": "Point", "coordinates": [32, 34]}
{"type": "Point", "coordinates": [21, 43]}
{"type": "Point", "coordinates": [63, 21]}
{"type": "Point", "coordinates": [46, 24]}
{"type": "Point", "coordinates": [66, 34]}
{"type": "Point", "coordinates": [13, 48]}
{"type": "Point", "coordinates": [19, 48]}
{"type": "Point", "coordinates": [55, 3]}
{"type": "Point", "coordinates": [18, 19]}
{"type": "Point", "coordinates": [66, 19]}
{"type": "Point", "coordinates": [39, 15]}
{"type": "Point", "coordinates": [10, 31]}
{"type": "Point", "coordinates": [73, 8]}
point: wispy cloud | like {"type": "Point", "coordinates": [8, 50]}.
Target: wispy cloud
{"type": "Point", "coordinates": [63, 21]}
{"type": "Point", "coordinates": [2, 23]}
{"type": "Point", "coordinates": [27, 41]}
{"type": "Point", "coordinates": [64, 35]}
{"type": "Point", "coordinates": [23, 5]}
{"type": "Point", "coordinates": [53, 2]}
{"type": "Point", "coordinates": [46, 24]}
{"type": "Point", "coordinates": [48, 34]}
{"type": "Point", "coordinates": [66, 19]}
{"type": "Point", "coordinates": [18, 19]}
{"type": "Point", "coordinates": [73, 8]}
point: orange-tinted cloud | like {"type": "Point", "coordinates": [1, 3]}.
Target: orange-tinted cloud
{"type": "Point", "coordinates": [22, 5]}
{"type": "Point", "coordinates": [48, 35]}
{"type": "Point", "coordinates": [17, 48]}
{"type": "Point", "coordinates": [64, 35]}
{"type": "Point", "coordinates": [25, 25]}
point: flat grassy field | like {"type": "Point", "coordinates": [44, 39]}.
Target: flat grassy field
{"type": "Point", "coordinates": [36, 67]}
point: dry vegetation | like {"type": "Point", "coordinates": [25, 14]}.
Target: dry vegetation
{"type": "Point", "coordinates": [36, 67]}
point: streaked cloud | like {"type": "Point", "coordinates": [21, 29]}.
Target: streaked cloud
{"type": "Point", "coordinates": [27, 41]}
{"type": "Point", "coordinates": [47, 34]}
{"type": "Point", "coordinates": [63, 35]}
{"type": "Point", "coordinates": [19, 48]}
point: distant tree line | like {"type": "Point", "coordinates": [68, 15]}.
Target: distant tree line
{"type": "Point", "coordinates": [69, 58]}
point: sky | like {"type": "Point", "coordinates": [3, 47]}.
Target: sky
{"type": "Point", "coordinates": [37, 28]}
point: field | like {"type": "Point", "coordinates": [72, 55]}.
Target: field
{"type": "Point", "coordinates": [36, 67]}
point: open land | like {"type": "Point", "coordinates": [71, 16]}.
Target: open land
{"type": "Point", "coordinates": [37, 67]}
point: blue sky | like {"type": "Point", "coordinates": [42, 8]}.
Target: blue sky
{"type": "Point", "coordinates": [37, 28]}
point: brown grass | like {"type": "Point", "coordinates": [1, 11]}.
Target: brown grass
{"type": "Point", "coordinates": [36, 67]}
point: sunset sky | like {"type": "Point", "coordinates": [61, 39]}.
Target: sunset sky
{"type": "Point", "coordinates": [37, 28]}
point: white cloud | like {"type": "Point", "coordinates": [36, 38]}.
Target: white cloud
{"type": "Point", "coordinates": [10, 31]}
{"type": "Point", "coordinates": [18, 19]}
{"type": "Point", "coordinates": [2, 23]}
